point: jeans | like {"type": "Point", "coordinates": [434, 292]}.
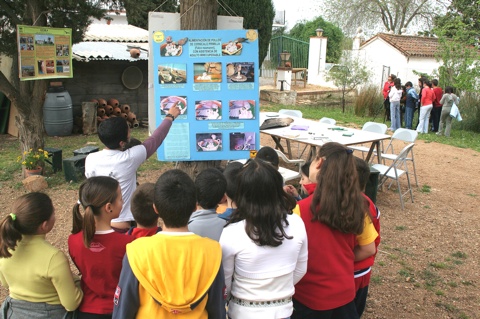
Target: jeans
{"type": "Point", "coordinates": [424, 118]}
{"type": "Point", "coordinates": [409, 112]}
{"type": "Point", "coordinates": [395, 115]}
{"type": "Point", "coordinates": [436, 113]}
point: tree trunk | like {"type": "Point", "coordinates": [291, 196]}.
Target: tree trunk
{"type": "Point", "coordinates": [203, 16]}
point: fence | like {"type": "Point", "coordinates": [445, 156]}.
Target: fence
{"type": "Point", "coordinates": [298, 54]}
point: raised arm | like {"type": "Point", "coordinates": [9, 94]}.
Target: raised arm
{"type": "Point", "coordinates": [156, 139]}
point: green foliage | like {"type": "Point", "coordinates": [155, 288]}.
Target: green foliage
{"type": "Point", "coordinates": [74, 14]}
{"type": "Point", "coordinates": [137, 10]}
{"type": "Point", "coordinates": [369, 101]}
{"type": "Point", "coordinates": [459, 254]}
{"type": "Point", "coordinates": [304, 30]}
{"type": "Point", "coordinates": [257, 14]}
{"type": "Point", "coordinates": [425, 189]}
{"type": "Point", "coordinates": [470, 110]}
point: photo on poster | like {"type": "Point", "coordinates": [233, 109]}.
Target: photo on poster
{"type": "Point", "coordinates": [207, 72]}
{"type": "Point", "coordinates": [63, 50]}
{"type": "Point", "coordinates": [63, 66]}
{"type": "Point", "coordinates": [46, 66]}
{"type": "Point", "coordinates": [208, 142]}
{"type": "Point", "coordinates": [28, 70]}
{"type": "Point", "coordinates": [240, 72]}
{"type": "Point", "coordinates": [233, 47]}
{"type": "Point", "coordinates": [208, 110]}
{"type": "Point", "coordinates": [172, 73]}
{"type": "Point", "coordinates": [44, 39]}
{"type": "Point", "coordinates": [244, 141]}
{"type": "Point", "coordinates": [166, 102]}
{"type": "Point", "coordinates": [172, 47]}
{"type": "Point", "coordinates": [26, 44]}
{"type": "Point", "coordinates": [241, 109]}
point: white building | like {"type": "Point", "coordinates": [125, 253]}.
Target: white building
{"type": "Point", "coordinates": [397, 54]}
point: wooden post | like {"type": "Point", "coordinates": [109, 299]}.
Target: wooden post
{"type": "Point", "coordinates": [89, 117]}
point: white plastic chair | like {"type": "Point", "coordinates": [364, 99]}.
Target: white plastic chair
{"type": "Point", "coordinates": [327, 120]}
{"type": "Point", "coordinates": [397, 169]}
{"type": "Point", "coordinates": [295, 113]}
{"type": "Point", "coordinates": [371, 127]}
{"type": "Point", "coordinates": [405, 135]}
{"type": "Point", "coordinates": [286, 173]}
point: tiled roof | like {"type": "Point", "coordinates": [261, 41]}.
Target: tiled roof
{"type": "Point", "coordinates": [409, 45]}
{"type": "Point", "coordinates": [91, 51]}
{"type": "Point", "coordinates": [115, 33]}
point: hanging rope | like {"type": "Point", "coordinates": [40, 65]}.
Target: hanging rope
{"type": "Point", "coordinates": [160, 5]}
{"type": "Point", "coordinates": [228, 8]}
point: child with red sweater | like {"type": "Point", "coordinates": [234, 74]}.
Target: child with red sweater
{"type": "Point", "coordinates": [96, 249]}
{"type": "Point", "coordinates": [339, 233]}
{"type": "Point", "coordinates": [143, 212]}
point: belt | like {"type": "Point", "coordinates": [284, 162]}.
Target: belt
{"type": "Point", "coordinates": [260, 304]}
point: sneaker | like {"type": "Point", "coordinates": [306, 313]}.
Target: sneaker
{"type": "Point", "coordinates": [439, 133]}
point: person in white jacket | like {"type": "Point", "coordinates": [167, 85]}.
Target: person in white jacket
{"type": "Point", "coordinates": [264, 246]}
{"type": "Point", "coordinates": [395, 96]}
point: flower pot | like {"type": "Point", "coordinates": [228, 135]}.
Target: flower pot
{"type": "Point", "coordinates": [32, 172]}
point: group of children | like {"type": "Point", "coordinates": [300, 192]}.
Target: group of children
{"type": "Point", "coordinates": [263, 256]}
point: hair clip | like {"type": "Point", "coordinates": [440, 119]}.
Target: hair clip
{"type": "Point", "coordinates": [349, 151]}
{"type": "Point", "coordinates": [79, 202]}
{"type": "Point", "coordinates": [13, 216]}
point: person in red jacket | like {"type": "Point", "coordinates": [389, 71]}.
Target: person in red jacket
{"type": "Point", "coordinates": [428, 96]}
{"type": "Point", "coordinates": [339, 232]}
{"type": "Point", "coordinates": [386, 89]}
{"type": "Point", "coordinates": [437, 106]}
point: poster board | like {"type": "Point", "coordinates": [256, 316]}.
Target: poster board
{"type": "Point", "coordinates": [44, 53]}
{"type": "Point", "coordinates": [212, 75]}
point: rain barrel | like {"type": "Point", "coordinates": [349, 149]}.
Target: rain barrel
{"type": "Point", "coordinates": [58, 112]}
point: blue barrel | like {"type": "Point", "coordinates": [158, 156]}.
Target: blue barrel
{"type": "Point", "coordinates": [58, 112]}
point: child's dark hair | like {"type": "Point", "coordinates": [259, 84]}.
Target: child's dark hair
{"type": "Point", "coordinates": [142, 205]}
{"type": "Point", "coordinates": [94, 193]}
{"type": "Point", "coordinates": [112, 131]}
{"type": "Point", "coordinates": [262, 203]}
{"type": "Point", "coordinates": [131, 143]}
{"type": "Point", "coordinates": [435, 82]}
{"type": "Point", "coordinates": [448, 89]}
{"type": "Point", "coordinates": [231, 176]}
{"type": "Point", "coordinates": [408, 84]}
{"type": "Point", "coordinates": [29, 211]}
{"type": "Point", "coordinates": [337, 201]}
{"type": "Point", "coordinates": [428, 83]}
{"type": "Point", "coordinates": [305, 168]}
{"type": "Point", "coordinates": [398, 83]}
{"type": "Point", "coordinates": [175, 198]}
{"type": "Point", "coordinates": [269, 155]}
{"type": "Point", "coordinates": [363, 171]}
{"type": "Point", "coordinates": [210, 186]}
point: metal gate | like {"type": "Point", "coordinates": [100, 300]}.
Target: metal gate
{"type": "Point", "coordinates": [385, 75]}
{"type": "Point", "coordinates": [298, 54]}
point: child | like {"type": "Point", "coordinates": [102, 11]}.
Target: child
{"type": "Point", "coordinates": [143, 212]}
{"type": "Point", "coordinates": [210, 187]}
{"type": "Point", "coordinates": [160, 282]}
{"type": "Point", "coordinates": [306, 185]}
{"type": "Point", "coordinates": [410, 104]}
{"type": "Point", "coordinates": [36, 274]}
{"type": "Point", "coordinates": [264, 246]}
{"type": "Point", "coordinates": [96, 249]}
{"type": "Point", "coordinates": [448, 99]}
{"type": "Point", "coordinates": [122, 165]}
{"type": "Point", "coordinates": [231, 173]}
{"type": "Point", "coordinates": [328, 288]}
{"type": "Point", "coordinates": [362, 268]}
{"type": "Point", "coordinates": [269, 155]}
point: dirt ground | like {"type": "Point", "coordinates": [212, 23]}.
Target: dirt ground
{"type": "Point", "coordinates": [428, 260]}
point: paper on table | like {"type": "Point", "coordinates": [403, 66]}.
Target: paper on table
{"type": "Point", "coordinates": [300, 127]}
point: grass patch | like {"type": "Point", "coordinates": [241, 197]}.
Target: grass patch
{"type": "Point", "coordinates": [381, 263]}
{"type": "Point", "coordinates": [425, 189]}
{"type": "Point", "coordinates": [400, 227]}
{"type": "Point", "coordinates": [439, 293]}
{"type": "Point", "coordinates": [439, 265]}
{"type": "Point", "coordinates": [426, 207]}
{"type": "Point", "coordinates": [452, 284]}
{"type": "Point", "coordinates": [467, 283]}
{"type": "Point", "coordinates": [376, 279]}
{"type": "Point", "coordinates": [430, 278]}
{"type": "Point", "coordinates": [459, 254]}
{"type": "Point", "coordinates": [472, 195]}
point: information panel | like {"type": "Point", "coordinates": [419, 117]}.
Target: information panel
{"type": "Point", "coordinates": [44, 53]}
{"type": "Point", "coordinates": [212, 76]}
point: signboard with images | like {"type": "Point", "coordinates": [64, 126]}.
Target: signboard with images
{"type": "Point", "coordinates": [44, 53]}
{"type": "Point", "coordinates": [212, 76]}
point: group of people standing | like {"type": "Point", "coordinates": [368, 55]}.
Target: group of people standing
{"type": "Point", "coordinates": [272, 257]}
{"type": "Point", "coordinates": [433, 104]}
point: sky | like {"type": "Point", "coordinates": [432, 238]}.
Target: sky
{"type": "Point", "coordinates": [298, 10]}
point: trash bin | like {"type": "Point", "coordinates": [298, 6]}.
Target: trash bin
{"type": "Point", "coordinates": [372, 185]}
{"type": "Point", "coordinates": [58, 112]}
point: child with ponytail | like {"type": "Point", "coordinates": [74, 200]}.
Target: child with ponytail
{"type": "Point", "coordinates": [96, 249]}
{"type": "Point", "coordinates": [36, 274]}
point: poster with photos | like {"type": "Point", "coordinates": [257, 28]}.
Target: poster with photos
{"type": "Point", "coordinates": [44, 53]}
{"type": "Point", "coordinates": [212, 76]}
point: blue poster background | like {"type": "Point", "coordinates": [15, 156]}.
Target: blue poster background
{"type": "Point", "coordinates": [212, 75]}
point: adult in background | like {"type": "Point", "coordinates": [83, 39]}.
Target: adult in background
{"type": "Point", "coordinates": [410, 104]}
{"type": "Point", "coordinates": [447, 101]}
{"type": "Point", "coordinates": [420, 88]}
{"type": "Point", "coordinates": [386, 89]}
{"type": "Point", "coordinates": [437, 106]}
{"type": "Point", "coordinates": [426, 106]}
{"type": "Point", "coordinates": [395, 95]}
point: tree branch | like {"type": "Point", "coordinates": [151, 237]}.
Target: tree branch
{"type": "Point", "coordinates": [7, 88]}
{"type": "Point", "coordinates": [10, 13]}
